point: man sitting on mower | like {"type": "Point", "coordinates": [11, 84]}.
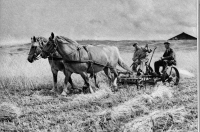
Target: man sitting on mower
{"type": "Point", "coordinates": [168, 58]}
{"type": "Point", "coordinates": [140, 58]}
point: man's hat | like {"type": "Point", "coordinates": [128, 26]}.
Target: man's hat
{"type": "Point", "coordinates": [134, 44]}
{"type": "Point", "coordinates": [166, 43]}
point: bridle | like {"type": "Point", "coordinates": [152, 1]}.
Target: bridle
{"type": "Point", "coordinates": [37, 49]}
{"type": "Point", "coordinates": [49, 51]}
{"type": "Point", "coordinates": [34, 52]}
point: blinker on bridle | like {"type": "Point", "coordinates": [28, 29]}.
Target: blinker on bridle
{"type": "Point", "coordinates": [35, 48]}
{"type": "Point", "coordinates": [33, 52]}
{"type": "Point", "coordinates": [49, 51]}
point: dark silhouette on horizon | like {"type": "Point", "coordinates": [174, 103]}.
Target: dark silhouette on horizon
{"type": "Point", "coordinates": [183, 36]}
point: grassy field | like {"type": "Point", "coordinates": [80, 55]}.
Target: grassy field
{"type": "Point", "coordinates": [24, 91]}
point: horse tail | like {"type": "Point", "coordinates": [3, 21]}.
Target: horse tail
{"type": "Point", "coordinates": [121, 63]}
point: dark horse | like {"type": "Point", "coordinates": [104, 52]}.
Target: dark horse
{"type": "Point", "coordinates": [55, 60]}
{"type": "Point", "coordinates": [80, 60]}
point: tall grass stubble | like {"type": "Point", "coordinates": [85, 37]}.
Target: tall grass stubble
{"type": "Point", "coordinates": [20, 81]}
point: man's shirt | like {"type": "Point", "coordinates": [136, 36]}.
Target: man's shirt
{"type": "Point", "coordinates": [140, 53]}
{"type": "Point", "coordinates": [169, 54]}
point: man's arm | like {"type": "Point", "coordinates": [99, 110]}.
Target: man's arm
{"type": "Point", "coordinates": [170, 56]}
{"type": "Point", "coordinates": [146, 49]}
{"type": "Point", "coordinates": [149, 50]}
{"type": "Point", "coordinates": [135, 56]}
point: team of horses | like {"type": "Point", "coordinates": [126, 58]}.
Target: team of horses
{"type": "Point", "coordinates": [68, 56]}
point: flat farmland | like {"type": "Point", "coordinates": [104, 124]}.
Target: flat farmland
{"type": "Point", "coordinates": [25, 89]}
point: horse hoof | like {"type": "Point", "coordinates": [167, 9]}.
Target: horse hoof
{"type": "Point", "coordinates": [53, 91]}
{"type": "Point", "coordinates": [85, 89]}
{"type": "Point", "coordinates": [91, 90]}
{"type": "Point", "coordinates": [63, 94]}
{"type": "Point", "coordinates": [114, 89]}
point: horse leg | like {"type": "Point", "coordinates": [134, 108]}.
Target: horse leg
{"type": "Point", "coordinates": [115, 77]}
{"type": "Point", "coordinates": [55, 74]}
{"type": "Point", "coordinates": [108, 74]}
{"type": "Point", "coordinates": [95, 80]}
{"type": "Point", "coordinates": [86, 79]}
{"type": "Point", "coordinates": [114, 70]}
{"type": "Point", "coordinates": [67, 76]}
{"type": "Point", "coordinates": [70, 81]}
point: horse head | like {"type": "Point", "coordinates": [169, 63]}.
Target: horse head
{"type": "Point", "coordinates": [49, 47]}
{"type": "Point", "coordinates": [36, 48]}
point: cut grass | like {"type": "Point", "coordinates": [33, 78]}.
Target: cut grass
{"type": "Point", "coordinates": [125, 110]}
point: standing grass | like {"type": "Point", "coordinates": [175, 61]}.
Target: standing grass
{"type": "Point", "coordinates": [154, 109]}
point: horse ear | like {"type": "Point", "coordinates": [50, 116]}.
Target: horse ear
{"type": "Point", "coordinates": [31, 40]}
{"type": "Point", "coordinates": [34, 39]}
{"type": "Point", "coordinates": [52, 35]}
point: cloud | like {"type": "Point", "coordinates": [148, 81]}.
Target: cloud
{"type": "Point", "coordinates": [93, 19]}
{"type": "Point", "coordinates": [161, 17]}
{"type": "Point", "coordinates": [98, 22]}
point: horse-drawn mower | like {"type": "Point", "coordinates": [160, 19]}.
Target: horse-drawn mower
{"type": "Point", "coordinates": [169, 75]}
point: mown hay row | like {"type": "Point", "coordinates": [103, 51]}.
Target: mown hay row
{"type": "Point", "coordinates": [9, 111]}
{"type": "Point", "coordinates": [75, 103]}
{"type": "Point", "coordinates": [138, 105]}
{"type": "Point", "coordinates": [84, 99]}
{"type": "Point", "coordinates": [157, 120]}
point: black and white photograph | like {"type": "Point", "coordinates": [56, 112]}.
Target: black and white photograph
{"type": "Point", "coordinates": [99, 65]}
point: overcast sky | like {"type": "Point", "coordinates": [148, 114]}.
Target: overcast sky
{"type": "Point", "coordinates": [97, 19]}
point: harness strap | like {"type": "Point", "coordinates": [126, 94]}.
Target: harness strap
{"type": "Point", "coordinates": [91, 62]}
{"type": "Point", "coordinates": [87, 61]}
{"type": "Point", "coordinates": [55, 58]}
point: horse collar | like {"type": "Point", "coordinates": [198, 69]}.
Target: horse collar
{"type": "Point", "coordinates": [55, 47]}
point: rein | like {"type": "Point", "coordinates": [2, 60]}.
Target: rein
{"type": "Point", "coordinates": [54, 58]}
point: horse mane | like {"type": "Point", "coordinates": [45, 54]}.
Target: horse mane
{"type": "Point", "coordinates": [41, 40]}
{"type": "Point", "coordinates": [65, 40]}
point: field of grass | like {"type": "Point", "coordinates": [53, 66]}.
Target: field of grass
{"type": "Point", "coordinates": [24, 91]}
